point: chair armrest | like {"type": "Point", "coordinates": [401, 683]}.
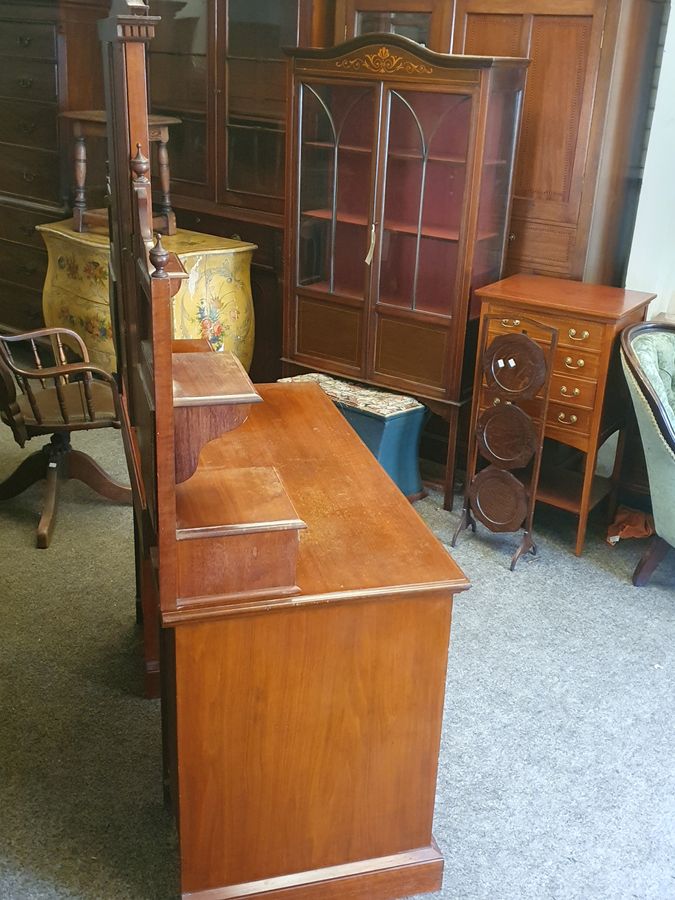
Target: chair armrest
{"type": "Point", "coordinates": [51, 332]}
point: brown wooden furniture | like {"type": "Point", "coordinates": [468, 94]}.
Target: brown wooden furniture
{"type": "Point", "coordinates": [426, 21]}
{"type": "Point", "coordinates": [506, 437]}
{"type": "Point", "coordinates": [588, 402]}
{"type": "Point", "coordinates": [49, 62]}
{"type": "Point", "coordinates": [91, 123]}
{"type": "Point", "coordinates": [219, 68]}
{"type": "Point", "coordinates": [580, 155]}
{"type": "Point", "coordinates": [55, 397]}
{"type": "Point", "coordinates": [397, 212]}
{"type": "Point", "coordinates": [303, 607]}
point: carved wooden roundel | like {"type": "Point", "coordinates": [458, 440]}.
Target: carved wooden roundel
{"type": "Point", "coordinates": [498, 499]}
{"type": "Point", "coordinates": [506, 436]}
{"type": "Point", "coordinates": [514, 364]}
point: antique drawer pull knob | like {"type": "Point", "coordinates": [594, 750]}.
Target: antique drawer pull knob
{"type": "Point", "coordinates": [25, 83]}
{"type": "Point", "coordinates": [29, 177]}
{"type": "Point", "coordinates": [24, 40]}
{"type": "Point", "coordinates": [567, 393]}
{"type": "Point", "coordinates": [512, 236]}
{"type": "Point", "coordinates": [584, 336]}
{"type": "Point", "coordinates": [496, 401]}
{"type": "Point", "coordinates": [570, 364]}
{"type": "Point", "coordinates": [510, 323]}
{"type": "Point", "coordinates": [563, 418]}
{"type": "Point", "coordinates": [27, 127]}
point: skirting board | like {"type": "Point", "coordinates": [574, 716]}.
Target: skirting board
{"type": "Point", "coordinates": [385, 878]}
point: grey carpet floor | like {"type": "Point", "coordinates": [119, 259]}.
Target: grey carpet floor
{"type": "Point", "coordinates": [557, 769]}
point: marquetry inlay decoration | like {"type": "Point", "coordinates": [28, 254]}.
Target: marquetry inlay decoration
{"type": "Point", "coordinates": [383, 63]}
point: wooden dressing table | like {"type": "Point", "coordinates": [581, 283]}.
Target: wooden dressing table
{"type": "Point", "coordinates": [588, 399]}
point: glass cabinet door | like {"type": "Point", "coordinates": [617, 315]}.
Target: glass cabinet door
{"type": "Point", "coordinates": [424, 187]}
{"type": "Point", "coordinates": [254, 85]}
{"type": "Point", "coordinates": [335, 232]}
{"type": "Point", "coordinates": [179, 86]}
{"type": "Point", "coordinates": [336, 149]}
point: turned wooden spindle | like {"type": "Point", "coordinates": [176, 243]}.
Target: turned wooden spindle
{"type": "Point", "coordinates": [140, 165]}
{"type": "Point", "coordinates": [159, 257]}
{"type": "Point", "coordinates": [164, 178]}
{"type": "Point", "coordinates": [80, 173]}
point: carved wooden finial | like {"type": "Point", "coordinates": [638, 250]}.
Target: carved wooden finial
{"type": "Point", "coordinates": [159, 258]}
{"type": "Point", "coordinates": [140, 164]}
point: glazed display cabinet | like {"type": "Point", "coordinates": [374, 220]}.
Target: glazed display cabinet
{"type": "Point", "coordinates": [400, 173]}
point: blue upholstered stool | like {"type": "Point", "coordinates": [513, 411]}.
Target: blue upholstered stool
{"type": "Point", "coordinates": [390, 425]}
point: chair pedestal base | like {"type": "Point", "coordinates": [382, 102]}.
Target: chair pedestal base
{"type": "Point", "coordinates": [57, 462]}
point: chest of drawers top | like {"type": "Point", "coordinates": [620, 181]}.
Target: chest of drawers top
{"type": "Point", "coordinates": [562, 297]}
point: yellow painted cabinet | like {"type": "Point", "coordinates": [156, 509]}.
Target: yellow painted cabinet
{"type": "Point", "coordinates": [214, 302]}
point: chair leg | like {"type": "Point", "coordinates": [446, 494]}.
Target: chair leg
{"type": "Point", "coordinates": [85, 469]}
{"type": "Point", "coordinates": [650, 559]}
{"type": "Point", "coordinates": [32, 469]}
{"type": "Point", "coordinates": [56, 472]}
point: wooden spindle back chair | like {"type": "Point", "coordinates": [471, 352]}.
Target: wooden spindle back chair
{"type": "Point", "coordinates": [43, 393]}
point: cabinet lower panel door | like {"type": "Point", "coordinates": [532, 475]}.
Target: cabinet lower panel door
{"type": "Point", "coordinates": [411, 351]}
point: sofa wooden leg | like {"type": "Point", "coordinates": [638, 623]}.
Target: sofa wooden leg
{"type": "Point", "coordinates": [652, 556]}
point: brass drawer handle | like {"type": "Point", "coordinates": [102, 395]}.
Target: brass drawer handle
{"type": "Point", "coordinates": [29, 177]}
{"type": "Point", "coordinates": [569, 363]}
{"type": "Point", "coordinates": [510, 323]}
{"type": "Point", "coordinates": [27, 127]}
{"type": "Point", "coordinates": [564, 390]}
{"type": "Point", "coordinates": [25, 83]}
{"type": "Point", "coordinates": [24, 41]}
{"type": "Point", "coordinates": [565, 421]}
{"type": "Point", "coordinates": [584, 336]}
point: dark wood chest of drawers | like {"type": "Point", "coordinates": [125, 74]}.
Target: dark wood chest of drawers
{"type": "Point", "coordinates": [49, 62]}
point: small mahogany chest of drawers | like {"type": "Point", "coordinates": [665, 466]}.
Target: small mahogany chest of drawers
{"type": "Point", "coordinates": [587, 401]}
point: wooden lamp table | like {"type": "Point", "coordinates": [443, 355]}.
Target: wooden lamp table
{"type": "Point", "coordinates": [587, 401]}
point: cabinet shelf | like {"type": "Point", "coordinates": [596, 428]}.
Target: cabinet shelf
{"type": "Point", "coordinates": [392, 154]}
{"type": "Point", "coordinates": [428, 231]}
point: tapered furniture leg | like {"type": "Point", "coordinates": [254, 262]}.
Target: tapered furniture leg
{"type": "Point", "coordinates": [54, 476]}
{"type": "Point", "coordinates": [87, 470]}
{"type": "Point", "coordinates": [31, 470]}
{"type": "Point", "coordinates": [651, 558]}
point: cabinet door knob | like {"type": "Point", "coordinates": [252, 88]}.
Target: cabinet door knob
{"type": "Point", "coordinates": [25, 83]}
{"type": "Point", "coordinates": [29, 177]}
{"type": "Point", "coordinates": [565, 421]}
{"type": "Point", "coordinates": [512, 236]}
{"type": "Point", "coordinates": [510, 323]}
{"type": "Point", "coordinates": [570, 364]}
{"type": "Point", "coordinates": [584, 336]}
{"type": "Point", "coordinates": [27, 127]}
{"type": "Point", "coordinates": [24, 40]}
{"type": "Point", "coordinates": [567, 393]}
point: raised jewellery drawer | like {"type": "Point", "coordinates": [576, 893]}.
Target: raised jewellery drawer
{"type": "Point", "coordinates": [575, 391]}
{"type": "Point", "coordinates": [28, 39]}
{"type": "Point", "coordinates": [23, 265]}
{"type": "Point", "coordinates": [27, 172]}
{"type": "Point", "coordinates": [572, 332]}
{"type": "Point", "coordinates": [27, 79]}
{"type": "Point", "coordinates": [18, 225]}
{"type": "Point", "coordinates": [29, 124]}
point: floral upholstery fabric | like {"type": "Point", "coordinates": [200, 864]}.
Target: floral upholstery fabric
{"type": "Point", "coordinates": [656, 353]}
